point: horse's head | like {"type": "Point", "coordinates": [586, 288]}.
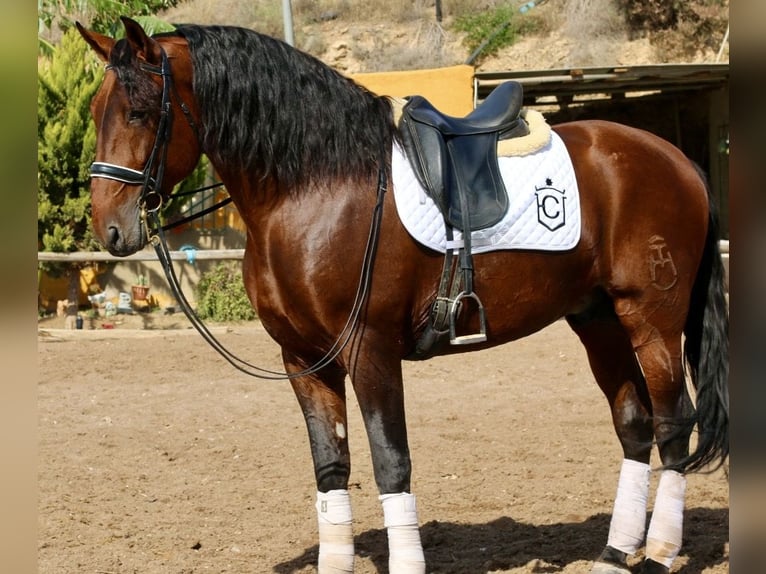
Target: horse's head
{"type": "Point", "coordinates": [145, 117]}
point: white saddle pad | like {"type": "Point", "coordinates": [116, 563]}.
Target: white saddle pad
{"type": "Point", "coordinates": [543, 212]}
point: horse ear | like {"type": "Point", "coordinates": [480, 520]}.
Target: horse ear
{"type": "Point", "coordinates": [101, 44]}
{"type": "Point", "coordinates": [143, 46]}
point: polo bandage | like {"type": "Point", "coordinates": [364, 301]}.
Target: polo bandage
{"type": "Point", "coordinates": [663, 541]}
{"type": "Point", "coordinates": [626, 531]}
{"type": "Point", "coordinates": [405, 552]}
{"type": "Point", "coordinates": [336, 537]}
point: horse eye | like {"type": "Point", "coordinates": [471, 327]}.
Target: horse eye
{"type": "Point", "coordinates": [136, 116]}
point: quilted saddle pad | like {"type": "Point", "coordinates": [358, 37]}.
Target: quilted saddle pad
{"type": "Point", "coordinates": [543, 212]}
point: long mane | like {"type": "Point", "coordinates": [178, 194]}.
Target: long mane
{"type": "Point", "coordinates": [280, 113]}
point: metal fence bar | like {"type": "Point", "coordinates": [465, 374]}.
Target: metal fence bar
{"type": "Point", "coordinates": [199, 255]}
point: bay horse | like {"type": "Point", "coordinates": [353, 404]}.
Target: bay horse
{"type": "Point", "coordinates": [305, 153]}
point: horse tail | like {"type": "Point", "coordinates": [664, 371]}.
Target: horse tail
{"type": "Point", "coordinates": [706, 351]}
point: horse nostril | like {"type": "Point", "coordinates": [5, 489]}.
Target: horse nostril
{"type": "Point", "coordinates": [112, 236]}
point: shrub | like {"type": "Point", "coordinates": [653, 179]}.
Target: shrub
{"type": "Point", "coordinates": [495, 28]}
{"type": "Point", "coordinates": [650, 15]}
{"type": "Point", "coordinates": [221, 295]}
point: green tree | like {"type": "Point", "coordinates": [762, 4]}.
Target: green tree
{"type": "Point", "coordinates": [65, 144]}
{"type": "Point", "coordinates": [65, 147]}
{"type": "Point", "coordinates": [103, 16]}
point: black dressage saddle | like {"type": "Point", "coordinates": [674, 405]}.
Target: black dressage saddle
{"type": "Point", "coordinates": [455, 159]}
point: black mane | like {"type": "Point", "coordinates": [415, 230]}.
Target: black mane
{"type": "Point", "coordinates": [278, 112]}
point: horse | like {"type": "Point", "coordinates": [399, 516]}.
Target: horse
{"type": "Point", "coordinates": [305, 154]}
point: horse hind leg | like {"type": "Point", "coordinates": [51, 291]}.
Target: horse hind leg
{"type": "Point", "coordinates": [323, 402]}
{"type": "Point", "coordinates": [618, 374]}
{"type": "Point", "coordinates": [658, 347]}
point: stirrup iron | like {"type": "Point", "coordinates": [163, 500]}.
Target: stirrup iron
{"type": "Point", "coordinates": [479, 337]}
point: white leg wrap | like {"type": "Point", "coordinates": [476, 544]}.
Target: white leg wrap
{"type": "Point", "coordinates": [626, 531]}
{"type": "Point", "coordinates": [336, 537]}
{"type": "Point", "coordinates": [405, 552]}
{"type": "Point", "coordinates": [663, 541]}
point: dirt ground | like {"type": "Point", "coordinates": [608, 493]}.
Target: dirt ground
{"type": "Point", "coordinates": [157, 456]}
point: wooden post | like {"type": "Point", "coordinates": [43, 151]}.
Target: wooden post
{"type": "Point", "coordinates": [73, 297]}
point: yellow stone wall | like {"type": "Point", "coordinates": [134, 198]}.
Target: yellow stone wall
{"type": "Point", "coordinates": [449, 89]}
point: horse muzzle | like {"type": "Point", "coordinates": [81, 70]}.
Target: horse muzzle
{"type": "Point", "coordinates": [116, 219]}
{"type": "Point", "coordinates": [121, 241]}
{"type": "Point", "coordinates": [120, 217]}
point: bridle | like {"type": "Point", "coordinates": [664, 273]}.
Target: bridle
{"type": "Point", "coordinates": [150, 202]}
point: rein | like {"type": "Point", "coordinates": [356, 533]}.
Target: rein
{"type": "Point", "coordinates": [150, 202]}
{"type": "Point", "coordinates": [346, 333]}
{"type": "Point", "coordinates": [200, 213]}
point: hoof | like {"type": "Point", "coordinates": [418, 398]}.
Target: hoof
{"type": "Point", "coordinates": [611, 561]}
{"type": "Point", "coordinates": [649, 566]}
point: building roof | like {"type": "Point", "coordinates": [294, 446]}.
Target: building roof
{"type": "Point", "coordinates": [615, 80]}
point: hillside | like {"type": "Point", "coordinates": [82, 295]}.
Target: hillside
{"type": "Point", "coordinates": [399, 35]}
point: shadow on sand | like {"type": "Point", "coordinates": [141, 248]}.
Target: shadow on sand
{"type": "Point", "coordinates": [503, 544]}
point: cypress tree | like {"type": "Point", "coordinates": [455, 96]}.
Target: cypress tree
{"type": "Point", "coordinates": [67, 80]}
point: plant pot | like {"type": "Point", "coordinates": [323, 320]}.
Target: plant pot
{"type": "Point", "coordinates": [140, 292]}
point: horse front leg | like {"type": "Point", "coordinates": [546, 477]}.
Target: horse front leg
{"type": "Point", "coordinates": [322, 398]}
{"type": "Point", "coordinates": [377, 380]}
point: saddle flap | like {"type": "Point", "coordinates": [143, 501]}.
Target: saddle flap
{"type": "Point", "coordinates": [477, 175]}
{"type": "Point", "coordinates": [427, 151]}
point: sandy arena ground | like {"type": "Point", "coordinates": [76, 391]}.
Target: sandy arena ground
{"type": "Point", "coordinates": [156, 456]}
